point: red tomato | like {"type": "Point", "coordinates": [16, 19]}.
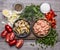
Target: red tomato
{"type": "Point", "coordinates": [13, 42]}
{"type": "Point", "coordinates": [19, 43]}
{"type": "Point", "coordinates": [7, 37]}
{"type": "Point", "coordinates": [4, 33]}
{"type": "Point", "coordinates": [8, 28]}
{"type": "Point", "coordinates": [12, 36]}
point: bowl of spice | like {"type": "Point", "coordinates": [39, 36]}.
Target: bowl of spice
{"type": "Point", "coordinates": [18, 7]}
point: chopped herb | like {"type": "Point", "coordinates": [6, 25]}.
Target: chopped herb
{"type": "Point", "coordinates": [32, 12]}
{"type": "Point", "coordinates": [49, 40]}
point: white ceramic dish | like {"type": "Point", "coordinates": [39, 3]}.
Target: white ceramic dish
{"type": "Point", "coordinates": [45, 7]}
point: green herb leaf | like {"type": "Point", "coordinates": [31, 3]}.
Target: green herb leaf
{"type": "Point", "coordinates": [32, 12]}
{"type": "Point", "coordinates": [50, 39]}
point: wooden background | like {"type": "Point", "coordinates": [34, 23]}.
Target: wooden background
{"type": "Point", "coordinates": [55, 4]}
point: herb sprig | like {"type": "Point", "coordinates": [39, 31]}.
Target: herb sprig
{"type": "Point", "coordinates": [32, 12]}
{"type": "Point", "coordinates": [49, 40]}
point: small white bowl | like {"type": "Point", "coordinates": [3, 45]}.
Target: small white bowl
{"type": "Point", "coordinates": [45, 7]}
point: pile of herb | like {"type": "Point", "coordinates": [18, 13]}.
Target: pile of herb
{"type": "Point", "coordinates": [32, 12]}
{"type": "Point", "coordinates": [49, 40]}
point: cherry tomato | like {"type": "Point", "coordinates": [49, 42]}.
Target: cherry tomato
{"type": "Point", "coordinates": [4, 33]}
{"type": "Point", "coordinates": [8, 28]}
{"type": "Point", "coordinates": [12, 36]}
{"type": "Point", "coordinates": [7, 37]}
{"type": "Point", "coordinates": [19, 43]}
{"type": "Point", "coordinates": [13, 42]}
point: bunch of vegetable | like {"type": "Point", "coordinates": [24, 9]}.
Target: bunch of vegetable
{"type": "Point", "coordinates": [32, 12]}
{"type": "Point", "coordinates": [10, 37]}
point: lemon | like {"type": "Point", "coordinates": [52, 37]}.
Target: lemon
{"type": "Point", "coordinates": [13, 17]}
{"type": "Point", "coordinates": [6, 13]}
{"type": "Point", "coordinates": [14, 14]}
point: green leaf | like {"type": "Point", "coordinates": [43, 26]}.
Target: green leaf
{"type": "Point", "coordinates": [32, 11]}
{"type": "Point", "coordinates": [50, 39]}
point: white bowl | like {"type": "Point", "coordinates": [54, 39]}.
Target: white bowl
{"type": "Point", "coordinates": [45, 7]}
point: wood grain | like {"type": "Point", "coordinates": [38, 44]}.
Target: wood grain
{"type": "Point", "coordinates": [55, 4]}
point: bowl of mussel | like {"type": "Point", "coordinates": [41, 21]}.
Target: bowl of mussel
{"type": "Point", "coordinates": [21, 28]}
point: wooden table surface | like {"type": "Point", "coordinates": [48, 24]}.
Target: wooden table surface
{"type": "Point", "coordinates": [55, 5]}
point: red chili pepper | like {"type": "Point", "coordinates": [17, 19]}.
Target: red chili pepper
{"type": "Point", "coordinates": [4, 33]}
{"type": "Point", "coordinates": [52, 12]}
{"type": "Point", "coordinates": [46, 14]}
{"type": "Point", "coordinates": [8, 28]}
{"type": "Point", "coordinates": [54, 21]}
{"type": "Point", "coordinates": [53, 15]}
{"type": "Point", "coordinates": [19, 43]}
{"type": "Point", "coordinates": [13, 42]}
{"type": "Point", "coordinates": [12, 36]}
{"type": "Point", "coordinates": [50, 15]}
{"type": "Point", "coordinates": [7, 37]}
{"type": "Point", "coordinates": [53, 26]}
